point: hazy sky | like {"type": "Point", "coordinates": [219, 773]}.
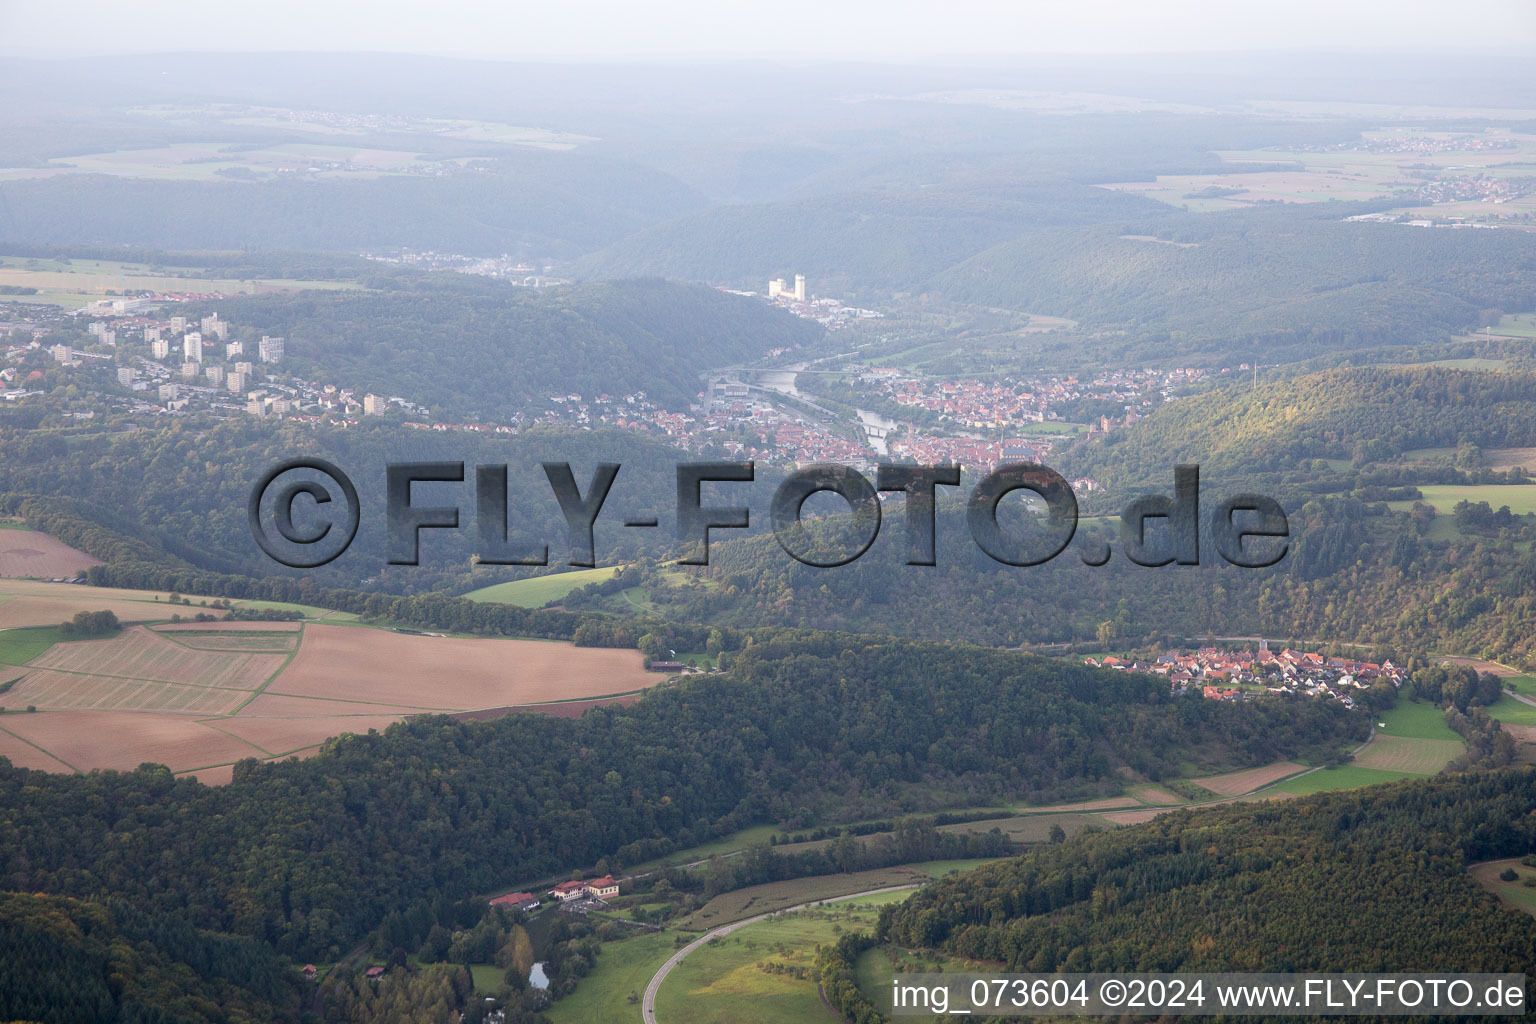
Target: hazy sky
{"type": "Point", "coordinates": [815, 28]}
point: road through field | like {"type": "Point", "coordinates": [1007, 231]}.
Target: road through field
{"type": "Point", "coordinates": [648, 1004]}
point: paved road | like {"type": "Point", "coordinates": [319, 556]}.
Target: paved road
{"type": "Point", "coordinates": [648, 1004]}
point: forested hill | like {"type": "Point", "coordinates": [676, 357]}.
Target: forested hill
{"type": "Point", "coordinates": [72, 962]}
{"type": "Point", "coordinates": [310, 854]}
{"type": "Point", "coordinates": [549, 204]}
{"type": "Point", "coordinates": [472, 346]}
{"type": "Point", "coordinates": [1367, 414]}
{"type": "Point", "coordinates": [1361, 880]}
{"type": "Point", "coordinates": [1260, 286]}
{"type": "Point", "coordinates": [867, 243]}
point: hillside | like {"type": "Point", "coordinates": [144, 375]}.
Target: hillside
{"type": "Point", "coordinates": [1369, 414]}
{"type": "Point", "coordinates": [470, 346]}
{"type": "Point", "coordinates": [1264, 286]}
{"type": "Point", "coordinates": [855, 243]}
{"type": "Point", "coordinates": [536, 203]}
{"type": "Point", "coordinates": [1367, 880]}
{"type": "Point", "coordinates": [74, 962]}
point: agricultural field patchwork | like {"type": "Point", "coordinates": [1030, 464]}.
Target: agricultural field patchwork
{"type": "Point", "coordinates": [199, 696]}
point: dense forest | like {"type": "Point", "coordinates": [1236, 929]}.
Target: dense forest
{"type": "Point", "coordinates": [73, 962]}
{"type": "Point", "coordinates": [309, 855]}
{"type": "Point", "coordinates": [1362, 880]}
{"type": "Point", "coordinates": [468, 346]}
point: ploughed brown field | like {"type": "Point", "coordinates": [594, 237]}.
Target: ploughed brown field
{"type": "Point", "coordinates": [1238, 783]}
{"type": "Point", "coordinates": [26, 553]}
{"type": "Point", "coordinates": [198, 699]}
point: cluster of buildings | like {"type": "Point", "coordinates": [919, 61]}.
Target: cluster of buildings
{"type": "Point", "coordinates": [1013, 401]}
{"type": "Point", "coordinates": [521, 272]}
{"type": "Point", "coordinates": [1482, 188]}
{"type": "Point", "coordinates": [1219, 674]}
{"type": "Point", "coordinates": [567, 894]}
{"type": "Point", "coordinates": [830, 313]}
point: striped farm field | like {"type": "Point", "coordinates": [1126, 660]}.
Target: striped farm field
{"type": "Point", "coordinates": [1248, 780]}
{"type": "Point", "coordinates": [26, 553]}
{"type": "Point", "coordinates": [139, 653]}
{"type": "Point", "coordinates": [268, 642]}
{"type": "Point", "coordinates": [43, 688]}
{"type": "Point", "coordinates": [1407, 754]}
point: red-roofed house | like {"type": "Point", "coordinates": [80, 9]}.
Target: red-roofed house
{"type": "Point", "coordinates": [569, 891]}
{"type": "Point", "coordinates": [517, 901]}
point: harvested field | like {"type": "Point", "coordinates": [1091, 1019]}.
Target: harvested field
{"type": "Point", "coordinates": [1521, 733]}
{"type": "Point", "coordinates": [270, 642]}
{"type": "Point", "coordinates": [1248, 780]}
{"type": "Point", "coordinates": [1405, 754]}
{"type": "Point", "coordinates": [352, 663]}
{"type": "Point", "coordinates": [1028, 828]}
{"type": "Point", "coordinates": [178, 696]}
{"type": "Point", "coordinates": [139, 653]}
{"type": "Point", "coordinates": [73, 691]}
{"type": "Point", "coordinates": [26, 553]}
{"type": "Point", "coordinates": [24, 755]}
{"type": "Point", "coordinates": [1156, 795]}
{"type": "Point", "coordinates": [227, 627]}
{"type": "Point", "coordinates": [125, 739]}
{"type": "Point", "coordinates": [50, 611]}
{"type": "Point", "coordinates": [276, 705]}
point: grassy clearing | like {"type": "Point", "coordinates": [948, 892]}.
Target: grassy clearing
{"type": "Point", "coordinates": [1521, 498]}
{"type": "Point", "coordinates": [537, 591]}
{"type": "Point", "coordinates": [1515, 894]}
{"type": "Point", "coordinates": [1512, 711]}
{"type": "Point", "coordinates": [1522, 684]}
{"type": "Point", "coordinates": [1415, 720]}
{"type": "Point", "coordinates": [19, 646]}
{"type": "Point", "coordinates": [765, 971]}
{"type": "Point", "coordinates": [940, 868]}
{"type": "Point", "coordinates": [622, 968]}
{"type": "Point", "coordinates": [1347, 777]}
{"type": "Point", "coordinates": [488, 978]}
{"type": "Point", "coordinates": [775, 896]}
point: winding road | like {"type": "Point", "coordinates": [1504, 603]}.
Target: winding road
{"type": "Point", "coordinates": [648, 1004]}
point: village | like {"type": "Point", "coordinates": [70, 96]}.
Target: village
{"type": "Point", "coordinates": [1221, 674]}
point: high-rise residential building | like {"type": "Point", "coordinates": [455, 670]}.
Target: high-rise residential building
{"type": "Point", "coordinates": [270, 350]}
{"type": "Point", "coordinates": [151, 335]}
{"type": "Point", "coordinates": [160, 348]}
{"type": "Point", "coordinates": [799, 287]}
{"type": "Point", "coordinates": [256, 407]}
{"type": "Point", "coordinates": [168, 392]}
{"type": "Point", "coordinates": [192, 347]}
{"type": "Point", "coordinates": [189, 371]}
{"type": "Point", "coordinates": [215, 375]}
{"type": "Point", "coordinates": [234, 348]}
{"type": "Point", "coordinates": [235, 381]}
{"type": "Point", "coordinates": [375, 405]}
{"type": "Point", "coordinates": [178, 325]}
{"type": "Point", "coordinates": [125, 375]}
{"type": "Point", "coordinates": [62, 353]}
{"type": "Point", "coordinates": [245, 368]}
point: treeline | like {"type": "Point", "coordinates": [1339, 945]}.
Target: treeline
{"type": "Point", "coordinates": [1360, 880]}
{"type": "Point", "coordinates": [309, 855]}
